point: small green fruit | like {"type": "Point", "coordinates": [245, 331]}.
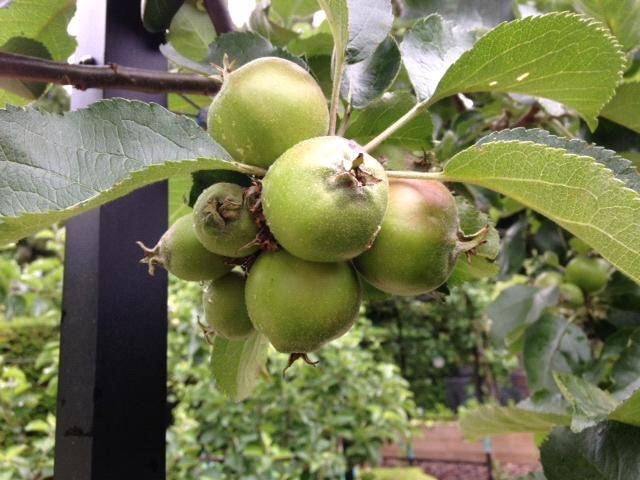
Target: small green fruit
{"type": "Point", "coordinates": [417, 247]}
{"type": "Point", "coordinates": [571, 294]}
{"type": "Point", "coordinates": [222, 221]}
{"type": "Point", "coordinates": [264, 108]}
{"type": "Point", "coordinates": [181, 253]}
{"type": "Point", "coordinates": [587, 273]}
{"type": "Point", "coordinates": [324, 199]}
{"type": "Point", "coordinates": [548, 279]}
{"type": "Point", "coordinates": [224, 307]}
{"type": "Point", "coordinates": [301, 305]}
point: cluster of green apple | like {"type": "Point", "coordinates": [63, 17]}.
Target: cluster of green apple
{"type": "Point", "coordinates": [582, 276]}
{"type": "Point", "coordinates": [323, 221]}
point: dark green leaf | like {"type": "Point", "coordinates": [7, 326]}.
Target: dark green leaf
{"type": "Point", "coordinates": [429, 48]}
{"type": "Point", "coordinates": [627, 369]}
{"type": "Point", "coordinates": [242, 47]}
{"type": "Point", "coordinates": [157, 14]}
{"type": "Point", "coordinates": [589, 404]}
{"type": "Point", "coordinates": [369, 24]}
{"type": "Point", "coordinates": [552, 344]}
{"type": "Point", "coordinates": [57, 166]}
{"type": "Point", "coordinates": [237, 364]}
{"type": "Point", "coordinates": [367, 80]}
{"type": "Point", "coordinates": [476, 14]}
{"type": "Point", "coordinates": [368, 123]}
{"type": "Point", "coordinates": [515, 308]}
{"type": "Point", "coordinates": [608, 451]}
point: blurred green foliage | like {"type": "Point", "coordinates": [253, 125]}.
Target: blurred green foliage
{"type": "Point", "coordinates": [309, 423]}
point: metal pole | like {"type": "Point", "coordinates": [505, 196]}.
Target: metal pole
{"type": "Point", "coordinates": [112, 413]}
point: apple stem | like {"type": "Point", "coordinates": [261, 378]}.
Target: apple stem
{"type": "Point", "coordinates": [338, 70]}
{"type": "Point", "coordinates": [439, 176]}
{"type": "Point", "coordinates": [248, 169]}
{"type": "Point", "coordinates": [416, 110]}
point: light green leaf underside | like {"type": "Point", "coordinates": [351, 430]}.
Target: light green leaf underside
{"type": "Point", "coordinates": [191, 32]}
{"type": "Point", "coordinates": [561, 56]}
{"type": "Point", "coordinates": [575, 191]}
{"type": "Point", "coordinates": [496, 420]}
{"type": "Point", "coordinates": [236, 364]}
{"type": "Point", "coordinates": [624, 108]}
{"type": "Point", "coordinates": [55, 166]}
{"type": "Point", "coordinates": [589, 404]}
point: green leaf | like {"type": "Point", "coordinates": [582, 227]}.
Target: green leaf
{"type": "Point", "coordinates": [608, 451]}
{"type": "Point", "coordinates": [179, 188]}
{"type": "Point", "coordinates": [552, 344]}
{"type": "Point", "coordinates": [320, 43]}
{"type": "Point", "coordinates": [367, 80]}
{"type": "Point", "coordinates": [515, 308]}
{"type": "Point", "coordinates": [429, 48]}
{"type": "Point", "coordinates": [44, 21]}
{"type": "Point", "coordinates": [473, 220]}
{"type": "Point", "coordinates": [32, 48]}
{"type": "Point", "coordinates": [589, 191]}
{"type": "Point", "coordinates": [475, 268]}
{"type": "Point", "coordinates": [260, 22]}
{"type": "Point", "coordinates": [237, 364]}
{"type": "Point", "coordinates": [628, 411]}
{"type": "Point", "coordinates": [626, 370]}
{"type": "Point", "coordinates": [560, 56]}
{"type": "Point", "coordinates": [476, 14]}
{"type": "Point", "coordinates": [191, 32]}
{"type": "Point", "coordinates": [57, 166]}
{"type": "Point", "coordinates": [489, 420]}
{"type": "Point", "coordinates": [625, 105]}
{"type": "Point", "coordinates": [39, 426]}
{"type": "Point", "coordinates": [621, 16]}
{"type": "Point", "coordinates": [242, 47]}
{"type": "Point", "coordinates": [290, 9]}
{"type": "Point", "coordinates": [178, 104]}
{"type": "Point", "coordinates": [369, 25]}
{"type": "Point", "coordinates": [588, 403]}
{"type": "Point", "coordinates": [157, 14]}
{"type": "Point", "coordinates": [367, 124]}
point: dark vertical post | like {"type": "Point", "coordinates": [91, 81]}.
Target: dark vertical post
{"type": "Point", "coordinates": [111, 416]}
